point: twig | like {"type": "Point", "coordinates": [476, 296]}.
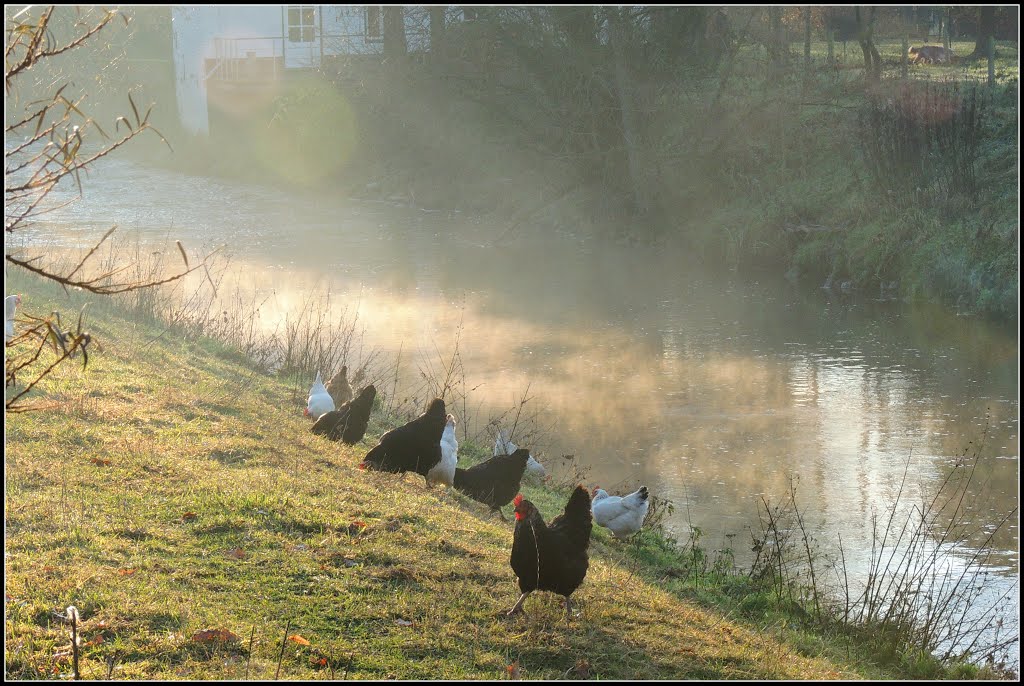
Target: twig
{"type": "Point", "coordinates": [284, 641]}
{"type": "Point", "coordinates": [72, 614]}
{"type": "Point", "coordinates": [248, 658]}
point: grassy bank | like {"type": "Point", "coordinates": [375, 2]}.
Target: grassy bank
{"type": "Point", "coordinates": [171, 489]}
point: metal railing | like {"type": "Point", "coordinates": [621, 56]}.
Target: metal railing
{"type": "Point", "coordinates": [235, 57]}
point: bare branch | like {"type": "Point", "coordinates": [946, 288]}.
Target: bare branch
{"type": "Point", "coordinates": [90, 284]}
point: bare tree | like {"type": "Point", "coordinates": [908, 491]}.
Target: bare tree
{"type": "Point", "coordinates": [437, 29]}
{"type": "Point", "coordinates": [394, 32]}
{"type": "Point", "coordinates": [641, 199]}
{"type": "Point", "coordinates": [49, 140]}
{"type": "Point", "coordinates": [986, 30]}
{"type": "Point", "coordinates": [807, 39]}
{"type": "Point", "coordinates": [865, 36]}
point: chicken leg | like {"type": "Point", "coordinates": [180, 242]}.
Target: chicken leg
{"type": "Point", "coordinates": [518, 607]}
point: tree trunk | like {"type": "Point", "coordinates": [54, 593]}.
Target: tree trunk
{"type": "Point", "coordinates": [945, 29]}
{"type": "Point", "coordinates": [903, 56]}
{"type": "Point", "coordinates": [437, 27]}
{"type": "Point", "coordinates": [394, 32]}
{"type": "Point", "coordinates": [624, 93]}
{"type": "Point", "coordinates": [986, 30]}
{"type": "Point", "coordinates": [579, 25]}
{"type": "Point", "coordinates": [865, 30]}
{"type": "Point", "coordinates": [775, 47]}
{"type": "Point", "coordinates": [991, 61]}
{"type": "Point", "coordinates": [830, 36]}
{"type": "Point", "coordinates": [807, 39]}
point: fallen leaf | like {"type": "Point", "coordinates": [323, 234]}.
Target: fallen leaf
{"type": "Point", "coordinates": [403, 622]}
{"type": "Point", "coordinates": [99, 461]}
{"type": "Point", "coordinates": [214, 635]}
{"type": "Point", "coordinates": [355, 527]}
{"type": "Point", "coordinates": [188, 516]}
{"type": "Point", "coordinates": [95, 640]}
{"type": "Point", "coordinates": [237, 553]}
{"type": "Point", "coordinates": [322, 662]}
{"type": "Point", "coordinates": [513, 670]}
{"type": "Point", "coordinates": [298, 639]}
{"type": "Point", "coordinates": [125, 572]}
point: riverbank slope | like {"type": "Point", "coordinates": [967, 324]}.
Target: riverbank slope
{"type": "Point", "coordinates": [169, 489]}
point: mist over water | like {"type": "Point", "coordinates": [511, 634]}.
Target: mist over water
{"type": "Point", "coordinates": [715, 389]}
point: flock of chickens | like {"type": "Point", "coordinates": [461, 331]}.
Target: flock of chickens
{"type": "Point", "coordinates": [548, 556]}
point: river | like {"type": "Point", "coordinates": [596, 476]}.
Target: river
{"type": "Point", "coordinates": [641, 366]}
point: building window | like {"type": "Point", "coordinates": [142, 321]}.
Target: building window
{"type": "Point", "coordinates": [374, 23]}
{"type": "Point", "coordinates": [301, 23]}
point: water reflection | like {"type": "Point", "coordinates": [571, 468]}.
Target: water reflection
{"type": "Point", "coordinates": [713, 390]}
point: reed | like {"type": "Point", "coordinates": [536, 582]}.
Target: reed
{"type": "Point", "coordinates": [925, 588]}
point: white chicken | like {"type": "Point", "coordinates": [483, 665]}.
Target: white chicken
{"type": "Point", "coordinates": [622, 515]}
{"type": "Point", "coordinates": [444, 471]}
{"type": "Point", "coordinates": [11, 303]}
{"type": "Point", "coordinates": [319, 401]}
{"type": "Point", "coordinates": [503, 445]}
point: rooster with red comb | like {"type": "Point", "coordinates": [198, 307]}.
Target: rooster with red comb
{"type": "Point", "coordinates": [553, 556]}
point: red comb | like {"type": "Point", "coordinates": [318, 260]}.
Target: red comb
{"type": "Point", "coordinates": [517, 500]}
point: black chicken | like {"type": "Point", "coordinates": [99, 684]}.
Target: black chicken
{"type": "Point", "coordinates": [413, 447]}
{"type": "Point", "coordinates": [551, 557]}
{"type": "Point", "coordinates": [348, 423]}
{"type": "Point", "coordinates": [493, 482]}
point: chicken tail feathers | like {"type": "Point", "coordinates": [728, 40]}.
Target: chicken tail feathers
{"type": "Point", "coordinates": [578, 506]}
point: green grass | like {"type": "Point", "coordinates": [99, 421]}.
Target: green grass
{"type": "Point", "coordinates": [170, 490]}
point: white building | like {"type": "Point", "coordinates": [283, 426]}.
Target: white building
{"type": "Point", "coordinates": [260, 43]}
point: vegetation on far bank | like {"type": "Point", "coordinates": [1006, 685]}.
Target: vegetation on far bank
{"type": "Point", "coordinates": [816, 173]}
{"type": "Point", "coordinates": [173, 494]}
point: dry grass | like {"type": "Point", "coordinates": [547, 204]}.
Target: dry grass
{"type": "Point", "coordinates": [174, 491]}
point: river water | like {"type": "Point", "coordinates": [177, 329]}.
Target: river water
{"type": "Point", "coordinates": [645, 366]}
